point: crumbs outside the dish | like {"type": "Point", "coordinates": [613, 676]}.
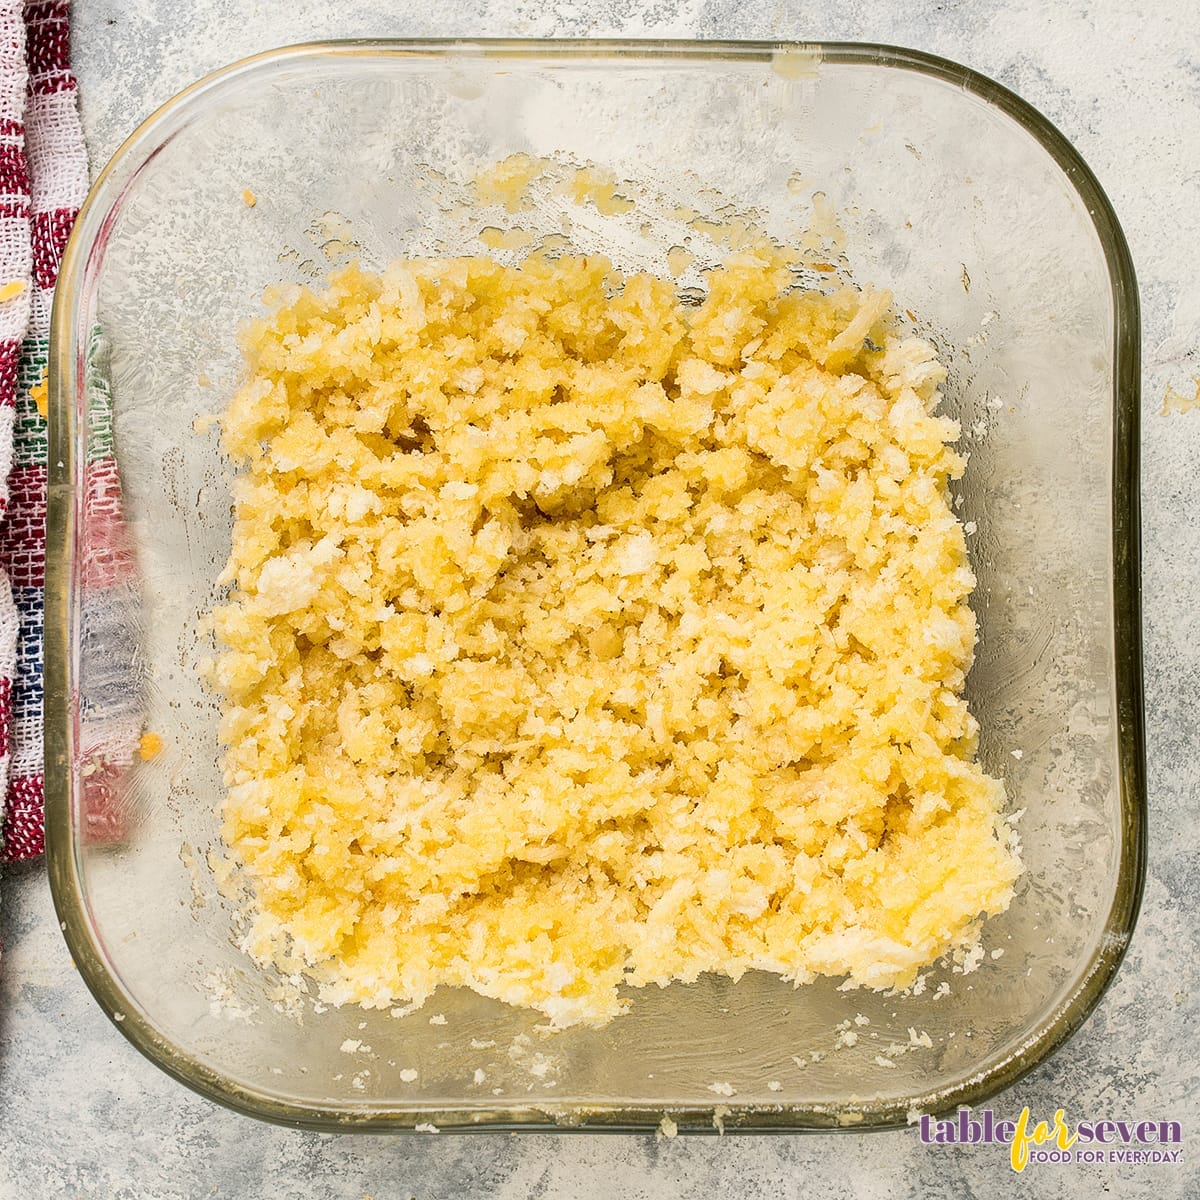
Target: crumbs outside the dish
{"type": "Point", "coordinates": [1177, 402]}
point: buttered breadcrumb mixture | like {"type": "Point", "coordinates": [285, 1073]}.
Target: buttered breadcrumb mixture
{"type": "Point", "coordinates": [578, 637]}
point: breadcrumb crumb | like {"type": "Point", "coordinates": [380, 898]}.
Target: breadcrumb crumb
{"type": "Point", "coordinates": [40, 395]}
{"type": "Point", "coordinates": [150, 746]}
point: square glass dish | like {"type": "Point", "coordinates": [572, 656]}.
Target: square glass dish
{"type": "Point", "coordinates": [950, 191]}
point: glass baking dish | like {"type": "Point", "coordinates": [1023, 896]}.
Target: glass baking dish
{"type": "Point", "coordinates": [952, 192]}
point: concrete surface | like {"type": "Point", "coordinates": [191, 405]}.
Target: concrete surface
{"type": "Point", "coordinates": [82, 1115]}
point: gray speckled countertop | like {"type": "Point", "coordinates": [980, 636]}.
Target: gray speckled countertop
{"type": "Point", "coordinates": [82, 1115]}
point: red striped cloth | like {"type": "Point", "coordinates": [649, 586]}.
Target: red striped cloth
{"type": "Point", "coordinates": [43, 180]}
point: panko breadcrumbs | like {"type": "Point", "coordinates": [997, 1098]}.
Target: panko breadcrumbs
{"type": "Point", "coordinates": [578, 637]}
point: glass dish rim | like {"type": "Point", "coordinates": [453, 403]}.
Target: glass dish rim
{"type": "Point", "coordinates": [65, 387]}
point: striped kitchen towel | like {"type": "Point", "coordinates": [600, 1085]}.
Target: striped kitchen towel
{"type": "Point", "coordinates": [43, 180]}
